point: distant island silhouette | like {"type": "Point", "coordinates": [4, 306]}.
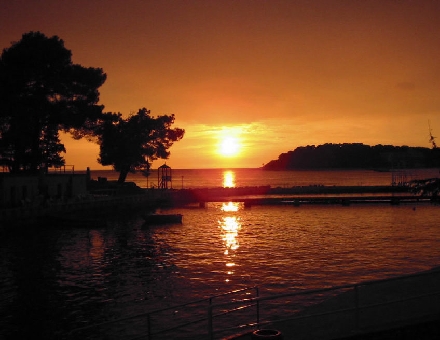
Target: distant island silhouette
{"type": "Point", "coordinates": [356, 156]}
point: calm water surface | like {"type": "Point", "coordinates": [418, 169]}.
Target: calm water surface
{"type": "Point", "coordinates": [208, 178]}
{"type": "Point", "coordinates": [54, 280]}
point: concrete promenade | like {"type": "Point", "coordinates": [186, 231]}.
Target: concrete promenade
{"type": "Point", "coordinates": [407, 307]}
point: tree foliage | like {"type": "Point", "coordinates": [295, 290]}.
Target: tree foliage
{"type": "Point", "coordinates": [41, 93]}
{"type": "Point", "coordinates": [355, 156]}
{"type": "Point", "coordinates": [426, 187]}
{"type": "Point", "coordinates": [131, 144]}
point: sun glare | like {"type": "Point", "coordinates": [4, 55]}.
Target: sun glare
{"type": "Point", "coordinates": [229, 146]}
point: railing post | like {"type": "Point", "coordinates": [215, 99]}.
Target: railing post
{"type": "Point", "coordinates": [210, 330]}
{"type": "Point", "coordinates": [149, 326]}
{"type": "Point", "coordinates": [258, 307]}
{"type": "Point", "coordinates": [356, 304]}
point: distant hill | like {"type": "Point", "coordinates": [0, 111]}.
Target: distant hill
{"type": "Point", "coordinates": [356, 156]}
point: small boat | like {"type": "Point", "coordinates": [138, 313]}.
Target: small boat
{"type": "Point", "coordinates": [163, 218]}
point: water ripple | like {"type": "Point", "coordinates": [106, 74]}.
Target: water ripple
{"type": "Point", "coordinates": [87, 276]}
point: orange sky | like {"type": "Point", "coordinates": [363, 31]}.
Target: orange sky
{"type": "Point", "coordinates": [273, 74]}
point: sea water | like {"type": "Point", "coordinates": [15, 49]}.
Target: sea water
{"type": "Point", "coordinates": [55, 280]}
{"type": "Point", "coordinates": [211, 178]}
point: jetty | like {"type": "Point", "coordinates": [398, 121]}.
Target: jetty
{"type": "Point", "coordinates": [296, 196]}
{"type": "Point", "coordinates": [109, 200]}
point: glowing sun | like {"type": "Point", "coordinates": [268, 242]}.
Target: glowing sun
{"type": "Point", "coordinates": [229, 146]}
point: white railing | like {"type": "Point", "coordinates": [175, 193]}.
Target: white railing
{"type": "Point", "coordinates": [344, 310]}
{"type": "Point", "coordinates": [339, 311]}
{"type": "Point", "coordinates": [62, 169]}
{"type": "Point", "coordinates": [188, 320]}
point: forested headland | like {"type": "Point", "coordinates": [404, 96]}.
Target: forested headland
{"type": "Point", "coordinates": [356, 156]}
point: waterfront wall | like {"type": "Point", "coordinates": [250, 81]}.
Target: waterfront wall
{"type": "Point", "coordinates": [20, 190]}
{"type": "Point", "coordinates": [87, 205]}
{"type": "Point", "coordinates": [154, 198]}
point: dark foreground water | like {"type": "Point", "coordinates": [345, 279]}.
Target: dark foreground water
{"type": "Point", "coordinates": [54, 280]}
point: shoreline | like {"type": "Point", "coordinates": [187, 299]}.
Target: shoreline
{"type": "Point", "coordinates": [120, 199]}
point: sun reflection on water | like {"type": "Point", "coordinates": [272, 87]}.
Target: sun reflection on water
{"type": "Point", "coordinates": [230, 225]}
{"type": "Point", "coordinates": [230, 206]}
{"type": "Point", "coordinates": [229, 179]}
{"type": "Point", "coordinates": [96, 250]}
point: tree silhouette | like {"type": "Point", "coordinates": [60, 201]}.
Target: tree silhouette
{"type": "Point", "coordinates": [131, 144]}
{"type": "Point", "coordinates": [355, 156]}
{"type": "Point", "coordinates": [41, 93]}
{"type": "Point", "coordinates": [426, 187]}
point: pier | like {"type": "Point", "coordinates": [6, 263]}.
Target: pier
{"type": "Point", "coordinates": [313, 200]}
{"type": "Point", "coordinates": [296, 196]}
{"type": "Point", "coordinates": [112, 202]}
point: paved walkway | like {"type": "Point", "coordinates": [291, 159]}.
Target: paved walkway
{"type": "Point", "coordinates": [401, 308]}
{"type": "Point", "coordinates": [429, 330]}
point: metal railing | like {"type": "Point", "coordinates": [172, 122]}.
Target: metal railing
{"type": "Point", "coordinates": [339, 311]}
{"type": "Point", "coordinates": [159, 323]}
{"type": "Point", "coordinates": [346, 309]}
{"type": "Point", "coordinates": [61, 169]}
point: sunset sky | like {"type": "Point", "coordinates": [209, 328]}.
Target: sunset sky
{"type": "Point", "coordinates": [269, 75]}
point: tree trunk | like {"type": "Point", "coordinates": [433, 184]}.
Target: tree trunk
{"type": "Point", "coordinates": [122, 176]}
